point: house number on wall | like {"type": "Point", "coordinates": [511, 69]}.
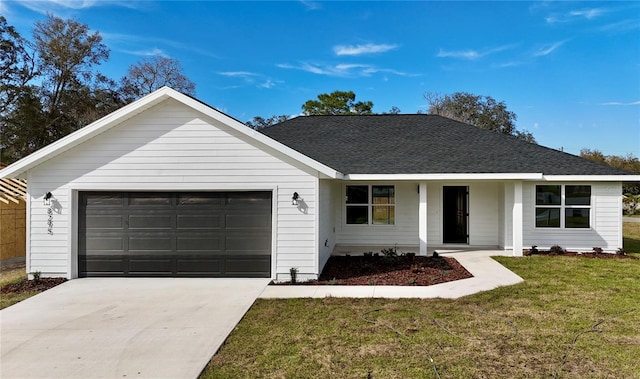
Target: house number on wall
{"type": "Point", "coordinates": [50, 220]}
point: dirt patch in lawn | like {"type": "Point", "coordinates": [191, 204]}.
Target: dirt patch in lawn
{"type": "Point", "coordinates": [389, 271]}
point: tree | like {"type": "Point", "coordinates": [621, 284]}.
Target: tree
{"type": "Point", "coordinates": [17, 66]}
{"type": "Point", "coordinates": [259, 122]}
{"type": "Point", "coordinates": [56, 87]}
{"type": "Point", "coordinates": [629, 163]}
{"type": "Point", "coordinates": [153, 73]}
{"type": "Point", "coordinates": [481, 111]}
{"type": "Point", "coordinates": [394, 110]}
{"type": "Point", "coordinates": [337, 103]}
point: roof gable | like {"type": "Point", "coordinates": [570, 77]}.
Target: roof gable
{"type": "Point", "coordinates": [423, 144]}
{"type": "Point", "coordinates": [141, 105]}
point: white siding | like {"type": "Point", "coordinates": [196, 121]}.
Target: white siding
{"type": "Point", "coordinates": [484, 210]}
{"type": "Point", "coordinates": [606, 221]}
{"type": "Point", "coordinates": [326, 220]}
{"type": "Point", "coordinates": [403, 233]}
{"type": "Point", "coordinates": [172, 147]}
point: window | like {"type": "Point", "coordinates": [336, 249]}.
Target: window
{"type": "Point", "coordinates": [567, 206]}
{"type": "Point", "coordinates": [371, 205]}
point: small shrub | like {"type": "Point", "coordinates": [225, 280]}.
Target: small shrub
{"type": "Point", "coordinates": [556, 249]}
{"type": "Point", "coordinates": [390, 252]}
{"type": "Point", "coordinates": [412, 281]}
{"type": "Point", "coordinates": [371, 282]}
{"type": "Point", "coordinates": [534, 250]}
{"type": "Point", "coordinates": [415, 268]}
{"type": "Point", "coordinates": [368, 254]}
{"type": "Point", "coordinates": [597, 250]}
{"type": "Point", "coordinates": [435, 254]}
{"type": "Point", "coordinates": [621, 251]}
{"type": "Point", "coordinates": [293, 271]}
{"type": "Point", "coordinates": [333, 282]}
{"type": "Point", "coordinates": [36, 276]}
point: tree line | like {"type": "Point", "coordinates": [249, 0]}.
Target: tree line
{"type": "Point", "coordinates": [50, 85]}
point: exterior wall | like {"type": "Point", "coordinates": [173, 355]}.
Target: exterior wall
{"type": "Point", "coordinates": [326, 220]}
{"type": "Point", "coordinates": [12, 229]}
{"type": "Point", "coordinates": [484, 216]}
{"type": "Point", "coordinates": [484, 213]}
{"type": "Point", "coordinates": [606, 221]}
{"type": "Point", "coordinates": [171, 147]}
{"type": "Point", "coordinates": [403, 233]}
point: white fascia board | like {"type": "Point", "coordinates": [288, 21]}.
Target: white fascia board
{"type": "Point", "coordinates": [592, 178]}
{"type": "Point", "coordinates": [470, 176]}
{"type": "Point", "coordinates": [18, 168]}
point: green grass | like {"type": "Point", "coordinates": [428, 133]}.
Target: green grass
{"type": "Point", "coordinates": [631, 233]}
{"type": "Point", "coordinates": [472, 337]}
{"type": "Point", "coordinates": [9, 277]}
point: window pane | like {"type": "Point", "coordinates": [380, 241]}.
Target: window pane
{"type": "Point", "coordinates": [357, 194]}
{"type": "Point", "coordinates": [548, 195]}
{"type": "Point", "coordinates": [357, 215]}
{"type": "Point", "coordinates": [576, 218]}
{"type": "Point", "coordinates": [150, 199]}
{"type": "Point", "coordinates": [577, 195]}
{"type": "Point", "coordinates": [547, 217]}
{"type": "Point", "coordinates": [383, 214]}
{"type": "Point", "coordinates": [383, 195]}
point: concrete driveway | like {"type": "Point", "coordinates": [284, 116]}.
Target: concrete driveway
{"type": "Point", "coordinates": [121, 327]}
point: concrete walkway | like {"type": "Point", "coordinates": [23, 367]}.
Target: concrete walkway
{"type": "Point", "coordinates": [487, 275]}
{"type": "Point", "coordinates": [122, 327]}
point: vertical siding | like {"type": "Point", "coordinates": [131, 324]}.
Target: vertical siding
{"type": "Point", "coordinates": [606, 221]}
{"type": "Point", "coordinates": [172, 147]}
{"type": "Point", "coordinates": [404, 232]}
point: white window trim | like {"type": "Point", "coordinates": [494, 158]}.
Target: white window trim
{"type": "Point", "coordinates": [370, 205]}
{"type": "Point", "coordinates": [562, 206]}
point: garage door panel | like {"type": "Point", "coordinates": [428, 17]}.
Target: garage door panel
{"type": "Point", "coordinates": [151, 243]}
{"type": "Point", "coordinates": [210, 244]}
{"type": "Point", "coordinates": [206, 234]}
{"type": "Point", "coordinates": [208, 266]}
{"type": "Point", "coordinates": [247, 221]}
{"type": "Point", "coordinates": [202, 221]}
{"type": "Point", "coordinates": [157, 221]}
{"type": "Point", "coordinates": [104, 222]}
{"type": "Point", "coordinates": [115, 243]}
{"type": "Point", "coordinates": [249, 266]}
{"type": "Point", "coordinates": [151, 266]}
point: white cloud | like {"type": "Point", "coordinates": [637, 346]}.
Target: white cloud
{"type": "Point", "coordinates": [51, 6]}
{"type": "Point", "coordinates": [311, 5]}
{"type": "Point", "coordinates": [369, 48]}
{"type": "Point", "coordinates": [147, 53]}
{"type": "Point", "coordinates": [268, 84]}
{"type": "Point", "coordinates": [588, 14]}
{"type": "Point", "coordinates": [472, 54]}
{"type": "Point", "coordinates": [548, 49]}
{"type": "Point", "coordinates": [621, 103]}
{"type": "Point", "coordinates": [241, 74]}
{"type": "Point", "coordinates": [342, 70]}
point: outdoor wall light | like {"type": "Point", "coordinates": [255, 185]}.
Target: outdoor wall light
{"type": "Point", "coordinates": [47, 198]}
{"type": "Point", "coordinates": [294, 198]}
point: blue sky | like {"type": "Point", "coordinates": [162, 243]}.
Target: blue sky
{"type": "Point", "coordinates": [569, 70]}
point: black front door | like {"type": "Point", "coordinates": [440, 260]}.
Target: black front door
{"type": "Point", "coordinates": [455, 214]}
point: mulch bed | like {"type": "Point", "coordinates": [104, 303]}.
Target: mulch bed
{"type": "Point", "coordinates": [389, 271]}
{"type": "Point", "coordinates": [32, 285]}
{"type": "Point", "coordinates": [591, 255]}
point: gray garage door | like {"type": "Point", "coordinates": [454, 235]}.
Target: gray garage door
{"type": "Point", "coordinates": [194, 234]}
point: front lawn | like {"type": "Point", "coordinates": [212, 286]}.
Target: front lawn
{"type": "Point", "coordinates": [10, 277]}
{"type": "Point", "coordinates": [522, 331]}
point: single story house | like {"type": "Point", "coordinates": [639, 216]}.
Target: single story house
{"type": "Point", "coordinates": [169, 186]}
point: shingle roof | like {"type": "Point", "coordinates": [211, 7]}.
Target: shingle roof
{"type": "Point", "coordinates": [422, 144]}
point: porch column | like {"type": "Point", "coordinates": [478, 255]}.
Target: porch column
{"type": "Point", "coordinates": [422, 218]}
{"type": "Point", "coordinates": [517, 219]}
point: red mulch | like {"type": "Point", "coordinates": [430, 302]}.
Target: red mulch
{"type": "Point", "coordinates": [32, 285]}
{"type": "Point", "coordinates": [395, 271]}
